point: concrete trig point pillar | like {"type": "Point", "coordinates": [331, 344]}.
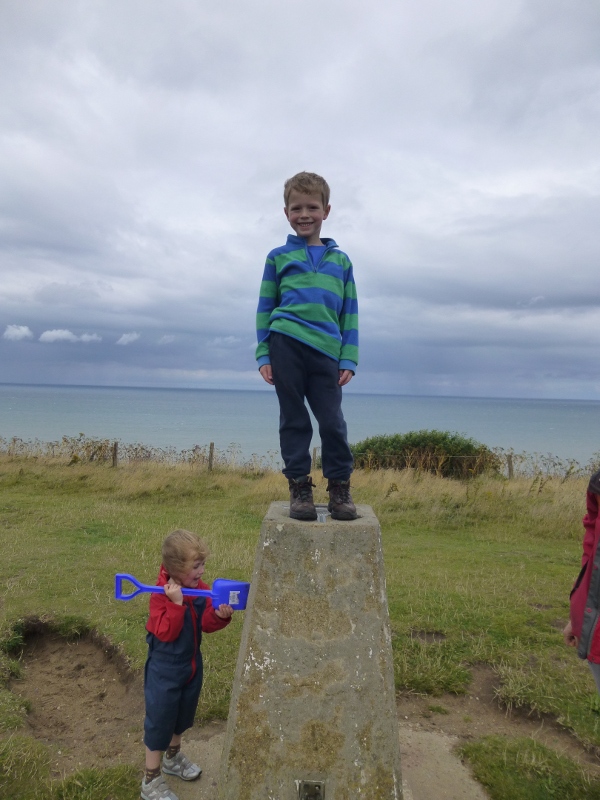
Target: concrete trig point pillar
{"type": "Point", "coordinates": [313, 711]}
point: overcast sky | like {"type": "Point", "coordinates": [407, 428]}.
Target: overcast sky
{"type": "Point", "coordinates": [143, 150]}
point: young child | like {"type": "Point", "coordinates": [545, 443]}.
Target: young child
{"type": "Point", "coordinates": [307, 327]}
{"type": "Point", "coordinates": [582, 630]}
{"type": "Point", "coordinates": [173, 672]}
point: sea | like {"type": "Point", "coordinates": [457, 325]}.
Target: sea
{"type": "Point", "coordinates": [245, 422]}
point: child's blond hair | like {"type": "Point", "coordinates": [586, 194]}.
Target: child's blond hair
{"type": "Point", "coordinates": [306, 183]}
{"type": "Point", "coordinates": [180, 549]}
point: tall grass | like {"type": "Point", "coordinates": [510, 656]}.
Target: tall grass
{"type": "Point", "coordinates": [82, 448]}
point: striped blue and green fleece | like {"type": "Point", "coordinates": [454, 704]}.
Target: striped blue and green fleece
{"type": "Point", "coordinates": [315, 304]}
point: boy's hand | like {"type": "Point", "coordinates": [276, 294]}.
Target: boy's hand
{"type": "Point", "coordinates": [224, 611]}
{"type": "Point", "coordinates": [267, 373]}
{"type": "Point", "coordinates": [345, 376]}
{"type": "Point", "coordinates": [570, 639]}
{"type": "Point", "coordinates": [173, 591]}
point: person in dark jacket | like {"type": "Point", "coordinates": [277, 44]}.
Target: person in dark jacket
{"type": "Point", "coordinates": [582, 630]}
{"type": "Point", "coordinates": [173, 671]}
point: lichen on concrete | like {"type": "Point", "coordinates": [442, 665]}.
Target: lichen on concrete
{"type": "Point", "coordinates": [304, 615]}
{"type": "Point", "coordinates": [319, 747]}
{"type": "Point", "coordinates": [314, 697]}
{"type": "Point", "coordinates": [316, 683]}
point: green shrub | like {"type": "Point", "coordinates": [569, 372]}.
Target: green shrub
{"type": "Point", "coordinates": [446, 454]}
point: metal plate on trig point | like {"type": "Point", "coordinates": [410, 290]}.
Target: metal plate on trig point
{"type": "Point", "coordinates": [311, 790]}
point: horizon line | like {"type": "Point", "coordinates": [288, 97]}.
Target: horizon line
{"type": "Point", "coordinates": [265, 390]}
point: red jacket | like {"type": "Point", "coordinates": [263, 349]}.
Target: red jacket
{"type": "Point", "coordinates": [175, 631]}
{"type": "Point", "coordinates": [585, 596]}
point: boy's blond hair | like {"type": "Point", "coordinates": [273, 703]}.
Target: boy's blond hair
{"type": "Point", "coordinates": [180, 549]}
{"type": "Point", "coordinates": [306, 183]}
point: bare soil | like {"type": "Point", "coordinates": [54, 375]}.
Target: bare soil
{"type": "Point", "coordinates": [87, 706]}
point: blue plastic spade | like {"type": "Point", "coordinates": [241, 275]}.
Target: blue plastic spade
{"type": "Point", "coordinates": [223, 592]}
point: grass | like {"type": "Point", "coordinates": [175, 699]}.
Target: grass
{"type": "Point", "coordinates": [477, 572]}
{"type": "Point", "coordinates": [522, 769]}
{"type": "Point", "coordinates": [488, 568]}
{"type": "Point", "coordinates": [25, 775]}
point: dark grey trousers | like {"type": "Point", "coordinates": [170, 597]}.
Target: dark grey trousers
{"type": "Point", "coordinates": [302, 373]}
{"type": "Point", "coordinates": [596, 673]}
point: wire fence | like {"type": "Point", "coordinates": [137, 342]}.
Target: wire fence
{"type": "Point", "coordinates": [84, 449]}
{"type": "Point", "coordinates": [505, 462]}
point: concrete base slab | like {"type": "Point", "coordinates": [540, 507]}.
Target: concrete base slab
{"type": "Point", "coordinates": [313, 697]}
{"type": "Point", "coordinates": [433, 770]}
{"type": "Point", "coordinates": [430, 768]}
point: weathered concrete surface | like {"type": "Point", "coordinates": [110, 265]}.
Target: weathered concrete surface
{"type": "Point", "coordinates": [313, 697]}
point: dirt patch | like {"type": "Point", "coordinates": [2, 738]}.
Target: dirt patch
{"type": "Point", "coordinates": [89, 709]}
{"type": "Point", "coordinates": [478, 714]}
{"type": "Point", "coordinates": [84, 703]}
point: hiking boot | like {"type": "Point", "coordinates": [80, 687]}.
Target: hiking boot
{"type": "Point", "coordinates": [302, 505]}
{"type": "Point", "coordinates": [340, 500]}
{"type": "Point", "coordinates": [181, 766]}
{"type": "Point", "coordinates": [157, 790]}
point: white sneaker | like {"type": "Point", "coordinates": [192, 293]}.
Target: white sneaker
{"type": "Point", "coordinates": [157, 790]}
{"type": "Point", "coordinates": [181, 766]}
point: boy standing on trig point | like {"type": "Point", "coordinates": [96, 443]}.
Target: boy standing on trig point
{"type": "Point", "coordinates": [307, 326]}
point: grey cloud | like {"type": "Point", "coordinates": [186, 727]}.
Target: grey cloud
{"type": "Point", "coordinates": [128, 338]}
{"type": "Point", "coordinates": [68, 294]}
{"type": "Point", "coordinates": [16, 333]}
{"type": "Point", "coordinates": [61, 335]}
{"type": "Point", "coordinates": [142, 161]}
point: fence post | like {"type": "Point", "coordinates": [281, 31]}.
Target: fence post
{"type": "Point", "coordinates": [314, 458]}
{"type": "Point", "coordinates": [509, 463]}
{"type": "Point", "coordinates": [115, 454]}
{"type": "Point", "coordinates": [211, 455]}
